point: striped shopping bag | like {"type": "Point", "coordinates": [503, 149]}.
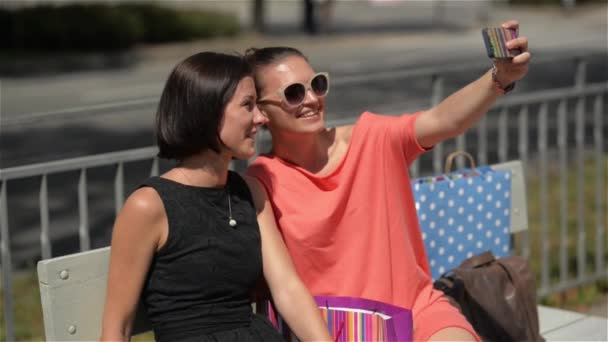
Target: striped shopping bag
{"type": "Point", "coordinates": [356, 319]}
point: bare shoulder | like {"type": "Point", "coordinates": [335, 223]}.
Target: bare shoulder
{"type": "Point", "coordinates": [343, 133]}
{"type": "Point", "coordinates": [144, 199]}
{"type": "Point", "coordinates": [144, 206]}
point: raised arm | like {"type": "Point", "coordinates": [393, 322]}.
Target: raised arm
{"type": "Point", "coordinates": [136, 236]}
{"type": "Point", "coordinates": [293, 301]}
{"type": "Point", "coordinates": [464, 108]}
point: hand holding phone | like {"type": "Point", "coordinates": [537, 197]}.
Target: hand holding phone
{"type": "Point", "coordinates": [495, 39]}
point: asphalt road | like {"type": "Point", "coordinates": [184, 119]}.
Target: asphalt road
{"type": "Point", "coordinates": [126, 123]}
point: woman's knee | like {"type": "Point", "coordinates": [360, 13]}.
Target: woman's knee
{"type": "Point", "coordinates": [453, 334]}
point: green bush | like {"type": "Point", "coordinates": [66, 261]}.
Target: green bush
{"type": "Point", "coordinates": [207, 24]}
{"type": "Point", "coordinates": [90, 27]}
{"type": "Point", "coordinates": [74, 27]}
{"type": "Point", "coordinates": [165, 25]}
{"type": "Point", "coordinates": [159, 24]}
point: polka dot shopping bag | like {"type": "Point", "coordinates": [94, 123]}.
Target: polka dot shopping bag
{"type": "Point", "coordinates": [463, 213]}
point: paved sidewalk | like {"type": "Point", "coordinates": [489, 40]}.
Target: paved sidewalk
{"type": "Point", "coordinates": [361, 32]}
{"type": "Point", "coordinates": [600, 308]}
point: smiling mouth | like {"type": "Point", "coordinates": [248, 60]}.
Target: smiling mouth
{"type": "Point", "coordinates": [252, 134]}
{"type": "Point", "coordinates": [308, 115]}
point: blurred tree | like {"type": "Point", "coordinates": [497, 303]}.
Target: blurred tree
{"type": "Point", "coordinates": [309, 20]}
{"type": "Point", "coordinates": [258, 15]}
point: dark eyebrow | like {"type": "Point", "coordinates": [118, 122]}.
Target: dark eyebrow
{"type": "Point", "coordinates": [247, 98]}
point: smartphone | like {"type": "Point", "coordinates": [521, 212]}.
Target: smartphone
{"type": "Point", "coordinates": [495, 39]}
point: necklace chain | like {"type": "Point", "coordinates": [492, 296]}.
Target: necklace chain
{"type": "Point", "coordinates": [231, 221]}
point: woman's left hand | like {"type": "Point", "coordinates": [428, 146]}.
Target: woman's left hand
{"type": "Point", "coordinates": [513, 69]}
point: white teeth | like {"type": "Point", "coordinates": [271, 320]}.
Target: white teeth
{"type": "Point", "coordinates": [307, 115]}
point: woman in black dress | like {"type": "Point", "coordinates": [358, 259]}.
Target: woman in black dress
{"type": "Point", "coordinates": [188, 242]}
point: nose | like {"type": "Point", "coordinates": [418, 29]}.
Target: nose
{"type": "Point", "coordinates": [310, 97]}
{"type": "Point", "coordinates": [258, 117]}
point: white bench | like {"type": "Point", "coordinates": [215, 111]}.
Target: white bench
{"type": "Point", "coordinates": [73, 292]}
{"type": "Point", "coordinates": [72, 289]}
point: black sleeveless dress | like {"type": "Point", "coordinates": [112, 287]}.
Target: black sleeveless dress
{"type": "Point", "coordinates": [199, 284]}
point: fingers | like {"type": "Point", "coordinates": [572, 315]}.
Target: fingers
{"type": "Point", "coordinates": [511, 24]}
{"type": "Point", "coordinates": [513, 69]}
{"type": "Point", "coordinates": [520, 43]}
{"type": "Point", "coordinates": [502, 61]}
{"type": "Point", "coordinates": [522, 58]}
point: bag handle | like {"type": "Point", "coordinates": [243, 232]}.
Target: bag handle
{"type": "Point", "coordinates": [451, 156]}
{"type": "Point", "coordinates": [478, 260]}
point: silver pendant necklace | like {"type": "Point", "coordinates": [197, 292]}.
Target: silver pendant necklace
{"type": "Point", "coordinates": [232, 222]}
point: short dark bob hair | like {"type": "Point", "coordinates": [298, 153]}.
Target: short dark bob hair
{"type": "Point", "coordinates": [193, 101]}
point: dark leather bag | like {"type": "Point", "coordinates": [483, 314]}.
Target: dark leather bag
{"type": "Point", "coordinates": [497, 296]}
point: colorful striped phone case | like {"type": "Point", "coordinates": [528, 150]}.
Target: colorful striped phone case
{"type": "Point", "coordinates": [495, 39]}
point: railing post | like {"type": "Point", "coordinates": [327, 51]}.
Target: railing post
{"type": "Point", "coordinates": [83, 212]}
{"type": "Point", "coordinates": [562, 143]}
{"type": "Point", "coordinates": [580, 181]}
{"type": "Point", "coordinates": [523, 156]}
{"type": "Point", "coordinates": [503, 131]}
{"type": "Point", "coordinates": [239, 166]}
{"type": "Point", "coordinates": [415, 169]}
{"type": "Point", "coordinates": [45, 242]}
{"type": "Point", "coordinates": [5, 252]}
{"type": "Point", "coordinates": [154, 169]}
{"type": "Point", "coordinates": [436, 97]}
{"type": "Point", "coordinates": [543, 195]}
{"type": "Point", "coordinates": [580, 75]}
{"type": "Point", "coordinates": [482, 135]}
{"type": "Point", "coordinates": [119, 188]}
{"type": "Point", "coordinates": [600, 187]}
{"type": "Point", "coordinates": [461, 144]}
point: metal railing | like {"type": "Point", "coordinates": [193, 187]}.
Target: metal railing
{"type": "Point", "coordinates": [42, 171]}
{"type": "Point", "coordinates": [498, 124]}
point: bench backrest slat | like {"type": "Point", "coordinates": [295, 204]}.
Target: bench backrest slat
{"type": "Point", "coordinates": [73, 291]}
{"type": "Point", "coordinates": [519, 208]}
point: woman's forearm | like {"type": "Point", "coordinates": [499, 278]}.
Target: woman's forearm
{"type": "Point", "coordinates": [464, 108]}
{"type": "Point", "coordinates": [120, 333]}
{"type": "Point", "coordinates": [301, 312]}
